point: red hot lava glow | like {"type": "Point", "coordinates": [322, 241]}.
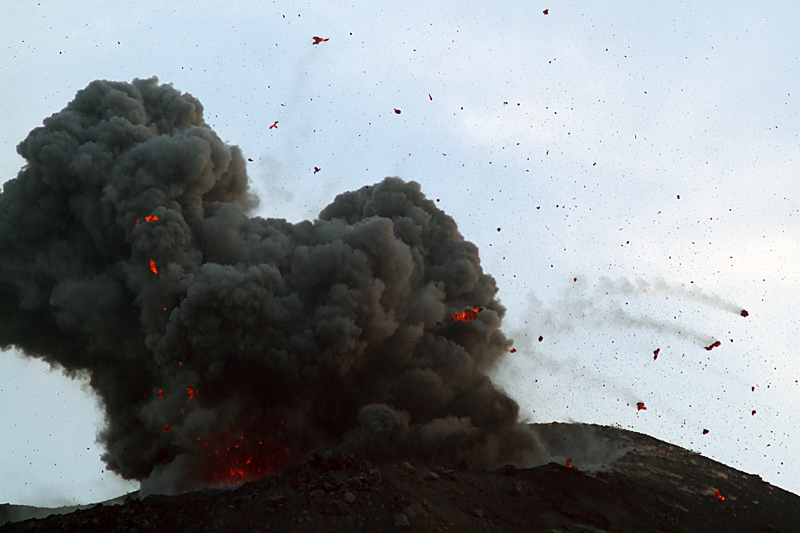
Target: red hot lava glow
{"type": "Point", "coordinates": [468, 315]}
{"type": "Point", "coordinates": [227, 461]}
{"type": "Point", "coordinates": [149, 218]}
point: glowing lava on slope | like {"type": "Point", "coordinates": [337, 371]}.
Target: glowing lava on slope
{"type": "Point", "coordinates": [228, 461]}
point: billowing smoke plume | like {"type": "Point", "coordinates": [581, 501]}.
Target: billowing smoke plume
{"type": "Point", "coordinates": [224, 346]}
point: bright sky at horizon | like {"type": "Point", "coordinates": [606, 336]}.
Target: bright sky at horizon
{"type": "Point", "coordinates": [629, 174]}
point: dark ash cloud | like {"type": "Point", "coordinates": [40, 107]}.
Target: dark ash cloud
{"type": "Point", "coordinates": [257, 340]}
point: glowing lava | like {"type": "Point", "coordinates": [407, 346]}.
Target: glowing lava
{"type": "Point", "coordinates": [468, 315]}
{"type": "Point", "coordinates": [149, 218]}
{"type": "Point", "coordinates": [225, 460]}
{"type": "Point", "coordinates": [718, 496]}
{"type": "Point", "coordinates": [153, 268]}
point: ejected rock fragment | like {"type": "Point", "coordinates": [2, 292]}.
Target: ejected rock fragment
{"type": "Point", "coordinates": [336, 507]}
{"type": "Point", "coordinates": [274, 500]}
{"type": "Point", "coordinates": [401, 521]}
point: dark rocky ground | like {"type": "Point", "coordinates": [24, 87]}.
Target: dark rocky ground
{"type": "Point", "coordinates": [620, 481]}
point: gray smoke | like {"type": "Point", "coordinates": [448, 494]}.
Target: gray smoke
{"type": "Point", "coordinates": [581, 305]}
{"type": "Point", "coordinates": [693, 292]}
{"type": "Point", "coordinates": [225, 346]}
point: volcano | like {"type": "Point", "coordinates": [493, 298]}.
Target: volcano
{"type": "Point", "coordinates": [326, 375]}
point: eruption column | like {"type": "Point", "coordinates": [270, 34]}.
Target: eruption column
{"type": "Point", "coordinates": [264, 339]}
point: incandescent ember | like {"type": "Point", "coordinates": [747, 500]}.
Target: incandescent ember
{"type": "Point", "coordinates": [467, 315]}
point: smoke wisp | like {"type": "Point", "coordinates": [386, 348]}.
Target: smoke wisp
{"type": "Point", "coordinates": [623, 286]}
{"type": "Point", "coordinates": [225, 346]}
{"type": "Point", "coordinates": [598, 306]}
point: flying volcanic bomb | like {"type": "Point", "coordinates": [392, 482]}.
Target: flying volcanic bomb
{"type": "Point", "coordinates": [224, 346]}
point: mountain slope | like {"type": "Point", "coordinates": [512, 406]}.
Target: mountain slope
{"type": "Point", "coordinates": [618, 481]}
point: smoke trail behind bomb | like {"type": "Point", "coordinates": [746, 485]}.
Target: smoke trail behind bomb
{"type": "Point", "coordinates": [223, 346]}
{"type": "Point", "coordinates": [623, 286]}
{"type": "Point", "coordinates": [579, 305]}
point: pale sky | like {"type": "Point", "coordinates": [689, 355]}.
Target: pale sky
{"type": "Point", "coordinates": [640, 164]}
